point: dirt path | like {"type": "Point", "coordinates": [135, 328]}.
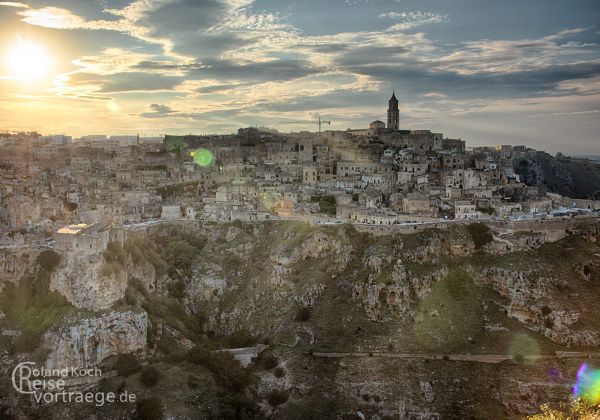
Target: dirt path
{"type": "Point", "coordinates": [477, 358]}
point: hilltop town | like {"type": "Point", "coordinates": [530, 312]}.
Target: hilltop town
{"type": "Point", "coordinates": [382, 176]}
{"type": "Point", "coordinates": [366, 273]}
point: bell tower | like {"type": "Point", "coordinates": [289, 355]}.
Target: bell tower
{"type": "Point", "coordinates": [393, 113]}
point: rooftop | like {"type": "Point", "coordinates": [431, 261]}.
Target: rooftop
{"type": "Point", "coordinates": [73, 229]}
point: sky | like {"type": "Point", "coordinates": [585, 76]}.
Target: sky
{"type": "Point", "coordinates": [488, 72]}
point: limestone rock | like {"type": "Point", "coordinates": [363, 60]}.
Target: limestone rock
{"type": "Point", "coordinates": [90, 341]}
{"type": "Point", "coordinates": [81, 281]}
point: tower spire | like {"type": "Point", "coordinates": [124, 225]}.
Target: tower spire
{"type": "Point", "coordinates": [393, 113]}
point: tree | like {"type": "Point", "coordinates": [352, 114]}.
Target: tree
{"type": "Point", "coordinates": [180, 254]}
{"type": "Point", "coordinates": [149, 376]}
{"type": "Point", "coordinates": [481, 234]}
{"type": "Point", "coordinates": [127, 364]}
{"type": "Point", "coordinates": [149, 409]}
{"type": "Point", "coordinates": [277, 397]}
{"type": "Point", "coordinates": [303, 314]}
{"type": "Point", "coordinates": [48, 260]}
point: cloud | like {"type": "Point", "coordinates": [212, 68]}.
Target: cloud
{"type": "Point", "coordinates": [412, 79]}
{"type": "Point", "coordinates": [276, 70]}
{"type": "Point", "coordinates": [158, 111]}
{"type": "Point", "coordinates": [566, 114]}
{"type": "Point", "coordinates": [90, 86]}
{"type": "Point", "coordinates": [506, 56]}
{"type": "Point", "coordinates": [53, 17]}
{"type": "Point", "coordinates": [13, 4]}
{"type": "Point", "coordinates": [110, 61]}
{"type": "Point", "coordinates": [410, 20]}
{"type": "Point", "coordinates": [226, 57]}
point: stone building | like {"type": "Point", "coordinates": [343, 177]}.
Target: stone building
{"type": "Point", "coordinates": [393, 114]}
{"type": "Point", "coordinates": [465, 209]}
{"type": "Point", "coordinates": [83, 238]}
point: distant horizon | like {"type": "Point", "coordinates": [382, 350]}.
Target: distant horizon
{"type": "Point", "coordinates": [145, 135]}
{"type": "Point", "coordinates": [134, 132]}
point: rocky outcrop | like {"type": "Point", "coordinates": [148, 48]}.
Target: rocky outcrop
{"type": "Point", "coordinates": [84, 282]}
{"type": "Point", "coordinates": [13, 266]}
{"type": "Point", "coordinates": [527, 292]}
{"type": "Point", "coordinates": [570, 177]}
{"type": "Point", "coordinates": [383, 301]}
{"type": "Point", "coordinates": [521, 287]}
{"type": "Point", "coordinates": [521, 241]}
{"type": "Point", "coordinates": [93, 283]}
{"type": "Point", "coordinates": [90, 341]}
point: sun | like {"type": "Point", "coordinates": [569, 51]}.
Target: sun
{"type": "Point", "coordinates": [27, 60]}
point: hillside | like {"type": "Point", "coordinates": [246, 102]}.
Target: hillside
{"type": "Point", "coordinates": [570, 177]}
{"type": "Point", "coordinates": [458, 322]}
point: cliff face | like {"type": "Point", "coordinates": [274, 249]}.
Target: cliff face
{"type": "Point", "coordinates": [96, 282]}
{"type": "Point", "coordinates": [255, 279]}
{"type": "Point", "coordinates": [359, 322]}
{"type": "Point", "coordinates": [570, 177]}
{"type": "Point", "coordinates": [13, 266]}
{"type": "Point", "coordinates": [431, 293]}
{"type": "Point", "coordinates": [92, 340]}
{"type": "Point", "coordinates": [81, 280]}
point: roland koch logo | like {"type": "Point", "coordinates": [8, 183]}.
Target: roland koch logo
{"type": "Point", "coordinates": [53, 385]}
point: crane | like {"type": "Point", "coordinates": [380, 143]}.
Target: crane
{"type": "Point", "coordinates": [319, 122]}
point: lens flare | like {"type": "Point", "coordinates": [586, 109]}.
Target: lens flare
{"type": "Point", "coordinates": [588, 384]}
{"type": "Point", "coordinates": [269, 200]}
{"type": "Point", "coordinates": [203, 157]}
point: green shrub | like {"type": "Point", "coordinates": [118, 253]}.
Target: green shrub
{"type": "Point", "coordinates": [177, 289]}
{"type": "Point", "coordinates": [486, 210]}
{"type": "Point", "coordinates": [48, 260]}
{"type": "Point", "coordinates": [303, 314]}
{"type": "Point", "coordinates": [180, 254]}
{"type": "Point", "coordinates": [268, 361]}
{"type": "Point", "coordinates": [137, 284]}
{"type": "Point", "coordinates": [277, 397]}
{"type": "Point", "coordinates": [149, 376]}
{"type": "Point", "coordinates": [32, 307]}
{"type": "Point", "coordinates": [481, 234]}
{"type": "Point", "coordinates": [234, 406]}
{"type": "Point", "coordinates": [130, 297]}
{"type": "Point", "coordinates": [193, 381]}
{"type": "Point", "coordinates": [173, 313]}
{"type": "Point", "coordinates": [199, 355]}
{"type": "Point", "coordinates": [115, 253]}
{"type": "Point", "coordinates": [226, 370]}
{"type": "Point", "coordinates": [143, 251]}
{"type": "Point", "coordinates": [39, 355]}
{"type": "Point", "coordinates": [127, 364]}
{"type": "Point", "coordinates": [239, 339]}
{"type": "Point", "coordinates": [149, 409]}
{"type": "Point", "coordinates": [327, 204]}
{"type": "Point", "coordinates": [171, 348]}
{"type": "Point", "coordinates": [279, 372]}
{"type": "Point", "coordinates": [27, 342]}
